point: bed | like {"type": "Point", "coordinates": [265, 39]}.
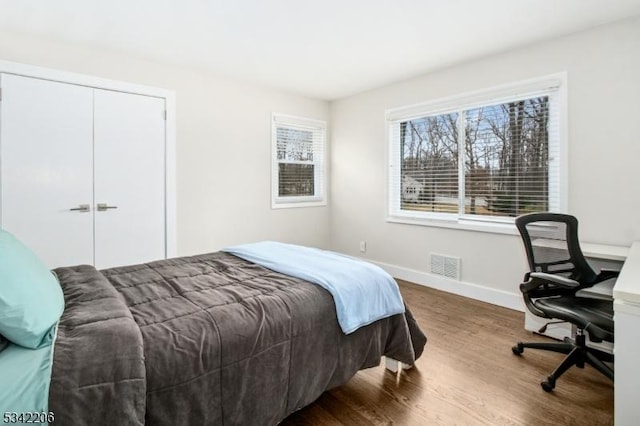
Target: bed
{"type": "Point", "coordinates": [205, 340]}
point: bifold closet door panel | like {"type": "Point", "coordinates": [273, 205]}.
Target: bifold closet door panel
{"type": "Point", "coordinates": [129, 173]}
{"type": "Point", "coordinates": [46, 132]}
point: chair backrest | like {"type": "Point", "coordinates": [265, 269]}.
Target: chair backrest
{"type": "Point", "coordinates": [552, 246]}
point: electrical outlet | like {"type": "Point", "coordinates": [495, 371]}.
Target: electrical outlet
{"type": "Point", "coordinates": [363, 246]}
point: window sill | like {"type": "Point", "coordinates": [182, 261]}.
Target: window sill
{"type": "Point", "coordinates": [293, 205]}
{"type": "Point", "coordinates": [460, 224]}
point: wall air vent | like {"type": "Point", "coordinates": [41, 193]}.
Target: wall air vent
{"type": "Point", "coordinates": [447, 266]}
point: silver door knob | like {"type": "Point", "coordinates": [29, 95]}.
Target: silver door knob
{"type": "Point", "coordinates": [103, 207]}
{"type": "Point", "coordinates": [81, 208]}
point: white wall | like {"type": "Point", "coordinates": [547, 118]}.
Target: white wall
{"type": "Point", "coordinates": [223, 153]}
{"type": "Point", "coordinates": [603, 71]}
{"type": "Point", "coordinates": [223, 143]}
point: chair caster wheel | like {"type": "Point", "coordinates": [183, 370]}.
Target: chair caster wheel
{"type": "Point", "coordinates": [517, 349]}
{"type": "Point", "coordinates": [548, 384]}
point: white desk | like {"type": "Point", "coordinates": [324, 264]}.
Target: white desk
{"type": "Point", "coordinates": [604, 251]}
{"type": "Point", "coordinates": [626, 306]}
{"type": "Point", "coordinates": [592, 250]}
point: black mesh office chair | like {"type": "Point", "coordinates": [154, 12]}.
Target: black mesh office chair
{"type": "Point", "coordinates": [558, 271]}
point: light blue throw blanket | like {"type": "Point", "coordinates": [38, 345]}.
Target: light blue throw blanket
{"type": "Point", "coordinates": [362, 292]}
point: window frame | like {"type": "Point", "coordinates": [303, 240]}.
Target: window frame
{"type": "Point", "coordinates": [320, 162]}
{"type": "Point", "coordinates": [554, 86]}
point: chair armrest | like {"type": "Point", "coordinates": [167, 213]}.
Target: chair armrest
{"type": "Point", "coordinates": [607, 274]}
{"type": "Point", "coordinates": [555, 279]}
{"type": "Point", "coordinates": [541, 284]}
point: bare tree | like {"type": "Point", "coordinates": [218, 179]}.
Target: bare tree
{"type": "Point", "coordinates": [506, 157]}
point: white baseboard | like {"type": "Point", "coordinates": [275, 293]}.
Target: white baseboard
{"type": "Point", "coordinates": [473, 291]}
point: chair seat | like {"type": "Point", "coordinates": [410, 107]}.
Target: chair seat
{"type": "Point", "coordinates": [595, 316]}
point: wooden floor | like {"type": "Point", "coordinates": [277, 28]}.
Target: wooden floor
{"type": "Point", "coordinates": [466, 376]}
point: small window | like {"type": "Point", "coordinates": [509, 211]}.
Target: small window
{"type": "Point", "coordinates": [298, 172]}
{"type": "Point", "coordinates": [484, 157]}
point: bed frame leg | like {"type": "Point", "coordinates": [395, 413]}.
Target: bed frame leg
{"type": "Point", "coordinates": [395, 366]}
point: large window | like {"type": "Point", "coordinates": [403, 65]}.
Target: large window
{"type": "Point", "coordinates": [298, 172]}
{"type": "Point", "coordinates": [483, 157]}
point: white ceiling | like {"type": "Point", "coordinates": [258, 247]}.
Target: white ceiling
{"type": "Point", "coordinates": [323, 48]}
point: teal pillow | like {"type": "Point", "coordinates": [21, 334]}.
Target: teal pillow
{"type": "Point", "coordinates": [3, 343]}
{"type": "Point", "coordinates": [31, 300]}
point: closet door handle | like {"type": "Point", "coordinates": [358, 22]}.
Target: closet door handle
{"type": "Point", "coordinates": [81, 208]}
{"type": "Point", "coordinates": [103, 207]}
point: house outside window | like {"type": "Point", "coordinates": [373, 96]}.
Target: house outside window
{"type": "Point", "coordinates": [298, 162]}
{"type": "Point", "coordinates": [484, 157]}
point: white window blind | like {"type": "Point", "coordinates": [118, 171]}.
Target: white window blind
{"type": "Point", "coordinates": [298, 171]}
{"type": "Point", "coordinates": [484, 157]}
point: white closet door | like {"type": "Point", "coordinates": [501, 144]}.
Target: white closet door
{"type": "Point", "coordinates": [129, 173]}
{"type": "Point", "coordinates": [46, 167]}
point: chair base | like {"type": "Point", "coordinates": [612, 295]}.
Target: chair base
{"type": "Point", "coordinates": [578, 353]}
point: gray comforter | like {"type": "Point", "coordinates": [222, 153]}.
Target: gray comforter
{"type": "Point", "coordinates": [205, 340]}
